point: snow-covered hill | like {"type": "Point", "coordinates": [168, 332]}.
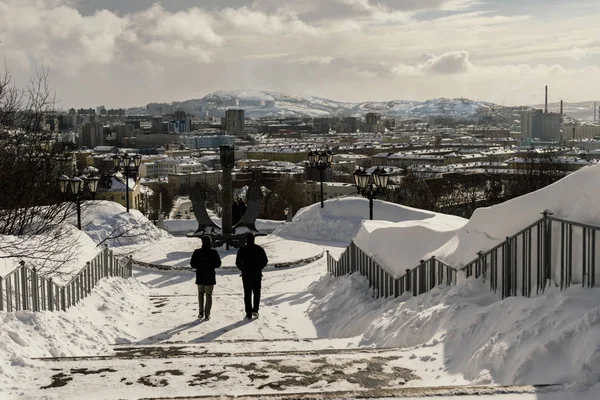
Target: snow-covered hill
{"type": "Point", "coordinates": [262, 103]}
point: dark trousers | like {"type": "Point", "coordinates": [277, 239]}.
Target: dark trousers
{"type": "Point", "coordinates": [251, 286]}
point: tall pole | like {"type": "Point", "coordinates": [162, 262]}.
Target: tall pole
{"type": "Point", "coordinates": [79, 212]}
{"type": "Point", "coordinates": [127, 188]}
{"type": "Point", "coordinates": [371, 195]}
{"type": "Point", "coordinates": [321, 178]}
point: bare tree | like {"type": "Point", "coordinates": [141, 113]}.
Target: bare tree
{"type": "Point", "coordinates": [31, 159]}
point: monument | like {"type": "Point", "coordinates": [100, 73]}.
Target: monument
{"type": "Point", "coordinates": [227, 233]}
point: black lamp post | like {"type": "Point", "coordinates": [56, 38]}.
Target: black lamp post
{"type": "Point", "coordinates": [320, 160]}
{"type": "Point", "coordinates": [77, 186]}
{"type": "Point", "coordinates": [286, 211]}
{"type": "Point", "coordinates": [371, 185]}
{"type": "Point", "coordinates": [129, 166]}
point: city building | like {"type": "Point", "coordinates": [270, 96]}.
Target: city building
{"type": "Point", "coordinates": [91, 135]}
{"type": "Point", "coordinates": [235, 122]}
{"type": "Point", "coordinates": [574, 132]}
{"type": "Point", "coordinates": [541, 125]}
{"type": "Point", "coordinates": [374, 122]}
{"type": "Point", "coordinates": [207, 142]}
{"type": "Point", "coordinates": [331, 190]}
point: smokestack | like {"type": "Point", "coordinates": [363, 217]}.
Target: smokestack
{"type": "Point", "coordinates": [546, 102]}
{"type": "Point", "coordinates": [595, 108]}
{"type": "Point", "coordinates": [561, 107]}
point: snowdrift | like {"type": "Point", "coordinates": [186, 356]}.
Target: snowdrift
{"type": "Point", "coordinates": [60, 257]}
{"type": "Point", "coordinates": [574, 197]}
{"type": "Point", "coordinates": [341, 219]}
{"type": "Point", "coordinates": [109, 222]}
{"type": "Point", "coordinates": [109, 315]}
{"type": "Point", "coordinates": [400, 246]}
{"type": "Point", "coordinates": [550, 339]}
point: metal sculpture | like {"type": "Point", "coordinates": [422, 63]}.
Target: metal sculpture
{"type": "Point", "coordinates": [254, 203]}
{"type": "Point", "coordinates": [198, 198]}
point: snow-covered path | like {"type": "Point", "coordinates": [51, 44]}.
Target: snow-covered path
{"type": "Point", "coordinates": [284, 302]}
{"type": "Point", "coordinates": [172, 354]}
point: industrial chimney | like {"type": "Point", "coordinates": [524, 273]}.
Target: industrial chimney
{"type": "Point", "coordinates": [546, 102]}
{"type": "Point", "coordinates": [561, 107]}
{"type": "Point", "coordinates": [595, 109]}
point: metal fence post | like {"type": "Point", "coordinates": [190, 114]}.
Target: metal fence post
{"type": "Point", "coordinates": [407, 281]}
{"type": "Point", "coordinates": [130, 267]}
{"type": "Point", "coordinates": [105, 258]}
{"type": "Point", "coordinates": [35, 295]}
{"type": "Point", "coordinates": [50, 292]}
{"type": "Point", "coordinates": [63, 299]}
{"type": "Point", "coordinates": [24, 288]}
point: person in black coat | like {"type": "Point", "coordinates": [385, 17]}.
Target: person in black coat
{"type": "Point", "coordinates": [250, 260]}
{"type": "Point", "coordinates": [205, 260]}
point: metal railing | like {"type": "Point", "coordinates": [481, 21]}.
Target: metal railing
{"type": "Point", "coordinates": [23, 289]}
{"type": "Point", "coordinates": [542, 254]}
{"type": "Point", "coordinates": [422, 278]}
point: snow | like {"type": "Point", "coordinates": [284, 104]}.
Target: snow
{"type": "Point", "coordinates": [107, 315]}
{"type": "Point", "coordinates": [550, 339]}
{"type": "Point", "coordinates": [108, 222]}
{"type": "Point", "coordinates": [341, 219]}
{"type": "Point", "coordinates": [460, 335]}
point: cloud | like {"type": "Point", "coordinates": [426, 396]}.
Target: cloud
{"type": "Point", "coordinates": [450, 63]}
{"type": "Point", "coordinates": [454, 62]}
{"type": "Point", "coordinates": [311, 59]}
{"type": "Point", "coordinates": [253, 21]}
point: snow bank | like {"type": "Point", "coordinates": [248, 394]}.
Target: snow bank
{"type": "Point", "coordinates": [341, 219]}
{"type": "Point", "coordinates": [109, 222]}
{"type": "Point", "coordinates": [574, 197]}
{"type": "Point", "coordinates": [107, 316]}
{"type": "Point", "coordinates": [400, 246]}
{"type": "Point", "coordinates": [550, 339]}
{"type": "Point", "coordinates": [49, 255]}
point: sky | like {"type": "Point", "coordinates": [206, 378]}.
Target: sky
{"type": "Point", "coordinates": [124, 53]}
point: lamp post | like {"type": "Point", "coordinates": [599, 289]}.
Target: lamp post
{"type": "Point", "coordinates": [78, 186]}
{"type": "Point", "coordinates": [286, 211]}
{"type": "Point", "coordinates": [371, 185]}
{"type": "Point", "coordinates": [321, 160]}
{"type": "Point", "coordinates": [129, 166]}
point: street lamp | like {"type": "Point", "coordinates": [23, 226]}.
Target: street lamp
{"type": "Point", "coordinates": [129, 166]}
{"type": "Point", "coordinates": [371, 185]}
{"type": "Point", "coordinates": [321, 160]}
{"type": "Point", "coordinates": [78, 186]}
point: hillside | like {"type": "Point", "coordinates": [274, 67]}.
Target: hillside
{"type": "Point", "coordinates": [261, 103]}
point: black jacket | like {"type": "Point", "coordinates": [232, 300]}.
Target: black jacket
{"type": "Point", "coordinates": [251, 259]}
{"type": "Point", "coordinates": [204, 261]}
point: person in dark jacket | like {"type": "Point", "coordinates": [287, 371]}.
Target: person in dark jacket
{"type": "Point", "coordinates": [250, 260]}
{"type": "Point", "coordinates": [205, 260]}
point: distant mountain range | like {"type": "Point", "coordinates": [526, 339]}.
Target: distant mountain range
{"type": "Point", "coordinates": [262, 103]}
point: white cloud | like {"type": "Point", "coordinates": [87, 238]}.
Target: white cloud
{"type": "Point", "coordinates": [311, 59]}
{"type": "Point", "coordinates": [252, 21]}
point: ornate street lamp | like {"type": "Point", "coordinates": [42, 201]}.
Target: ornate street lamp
{"type": "Point", "coordinates": [129, 166]}
{"type": "Point", "coordinates": [371, 185]}
{"type": "Point", "coordinates": [78, 186]}
{"type": "Point", "coordinates": [320, 160]}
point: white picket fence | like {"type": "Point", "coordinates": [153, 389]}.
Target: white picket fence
{"type": "Point", "coordinates": [24, 289]}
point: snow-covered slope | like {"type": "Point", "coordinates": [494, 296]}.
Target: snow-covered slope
{"type": "Point", "coordinates": [550, 339]}
{"type": "Point", "coordinates": [262, 103]}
